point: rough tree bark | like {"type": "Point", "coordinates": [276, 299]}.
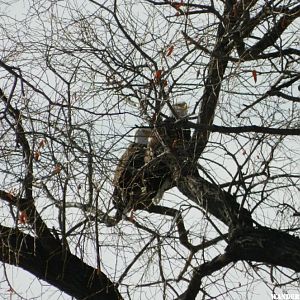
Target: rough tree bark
{"type": "Point", "coordinates": [59, 267]}
{"type": "Point", "coordinates": [259, 244]}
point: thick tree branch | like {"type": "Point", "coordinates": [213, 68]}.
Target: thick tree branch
{"type": "Point", "coordinates": [244, 129]}
{"type": "Point", "coordinates": [214, 77]}
{"type": "Point", "coordinates": [273, 34]}
{"type": "Point", "coordinates": [60, 269]}
{"type": "Point", "coordinates": [214, 200]}
{"type": "Point", "coordinates": [256, 244]}
{"type": "Point", "coordinates": [261, 244]}
{"type": "Point", "coordinates": [203, 270]}
{"type": "Point", "coordinates": [34, 219]}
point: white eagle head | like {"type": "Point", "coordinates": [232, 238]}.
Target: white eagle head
{"type": "Point", "coordinates": [141, 136]}
{"type": "Point", "coordinates": [181, 109]}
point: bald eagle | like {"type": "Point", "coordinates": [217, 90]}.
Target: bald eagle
{"type": "Point", "coordinates": [143, 175]}
{"type": "Point", "coordinates": [167, 135]}
{"type": "Point", "coordinates": [135, 185]}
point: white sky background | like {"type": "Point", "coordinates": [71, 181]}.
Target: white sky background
{"type": "Point", "coordinates": [30, 288]}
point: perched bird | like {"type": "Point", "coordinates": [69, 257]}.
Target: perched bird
{"type": "Point", "coordinates": [153, 162]}
{"type": "Point", "coordinates": [143, 173]}
{"type": "Point", "coordinates": [168, 136]}
{"type": "Point", "coordinates": [135, 184]}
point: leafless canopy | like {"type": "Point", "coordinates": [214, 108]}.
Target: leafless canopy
{"type": "Point", "coordinates": [77, 78]}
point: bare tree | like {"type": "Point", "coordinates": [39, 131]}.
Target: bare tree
{"type": "Point", "coordinates": [77, 80]}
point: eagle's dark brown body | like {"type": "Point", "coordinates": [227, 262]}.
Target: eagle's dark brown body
{"type": "Point", "coordinates": [144, 170]}
{"type": "Point", "coordinates": [136, 182]}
